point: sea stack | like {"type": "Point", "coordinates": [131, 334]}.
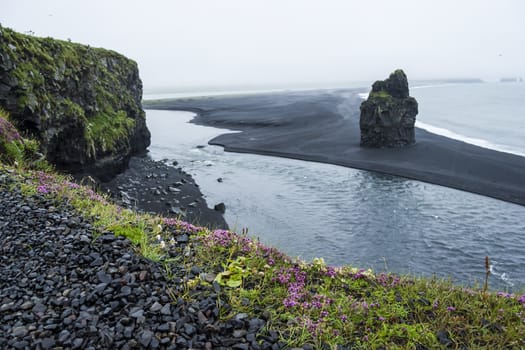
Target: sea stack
{"type": "Point", "coordinates": [389, 114]}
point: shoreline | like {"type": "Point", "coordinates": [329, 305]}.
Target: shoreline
{"type": "Point", "coordinates": [296, 124]}
{"type": "Point", "coordinates": [152, 186]}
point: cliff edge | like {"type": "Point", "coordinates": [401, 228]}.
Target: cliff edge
{"type": "Point", "coordinates": [82, 104]}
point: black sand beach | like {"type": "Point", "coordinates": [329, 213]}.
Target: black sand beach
{"type": "Point", "coordinates": [323, 126]}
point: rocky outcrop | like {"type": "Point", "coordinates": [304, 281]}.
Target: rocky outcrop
{"type": "Point", "coordinates": [82, 104]}
{"type": "Point", "coordinates": [389, 114]}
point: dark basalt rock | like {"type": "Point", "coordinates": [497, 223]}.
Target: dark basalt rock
{"type": "Point", "coordinates": [389, 114]}
{"type": "Point", "coordinates": [82, 104]}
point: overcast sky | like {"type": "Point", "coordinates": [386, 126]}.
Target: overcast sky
{"type": "Point", "coordinates": [288, 42]}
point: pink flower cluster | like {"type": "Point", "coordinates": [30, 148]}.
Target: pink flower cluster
{"type": "Point", "coordinates": [42, 189]}
{"type": "Point", "coordinates": [520, 299]}
{"type": "Point", "coordinates": [387, 280]}
{"type": "Point", "coordinates": [182, 225]}
{"type": "Point", "coordinates": [8, 131]}
{"type": "Point", "coordinates": [330, 271]}
{"type": "Point", "coordinates": [359, 274]}
{"type": "Point", "coordinates": [295, 281]}
{"type": "Point", "coordinates": [49, 184]}
{"type": "Point", "coordinates": [223, 238]}
{"type": "Point", "coordinates": [505, 295]}
{"type": "Point", "coordinates": [319, 301]}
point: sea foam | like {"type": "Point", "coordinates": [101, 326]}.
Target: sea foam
{"type": "Point", "coordinates": [474, 141]}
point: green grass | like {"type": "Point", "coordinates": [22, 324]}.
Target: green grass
{"type": "Point", "coordinates": [107, 130]}
{"type": "Point", "coordinates": [17, 150]}
{"type": "Point", "coordinates": [304, 302]}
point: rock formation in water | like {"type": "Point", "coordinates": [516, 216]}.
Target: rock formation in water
{"type": "Point", "coordinates": [389, 114]}
{"type": "Point", "coordinates": [82, 104]}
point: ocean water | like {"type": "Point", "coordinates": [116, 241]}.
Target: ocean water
{"type": "Point", "coordinates": [366, 219]}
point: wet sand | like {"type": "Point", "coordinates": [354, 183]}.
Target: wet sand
{"type": "Point", "coordinates": [323, 126]}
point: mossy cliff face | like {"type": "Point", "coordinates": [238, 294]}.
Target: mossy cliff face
{"type": "Point", "coordinates": [83, 104]}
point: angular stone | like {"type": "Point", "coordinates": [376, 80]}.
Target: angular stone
{"type": "Point", "coordinates": [63, 336]}
{"type": "Point", "coordinates": [103, 277]}
{"type": "Point", "coordinates": [189, 329]}
{"type": "Point", "coordinates": [145, 337]}
{"type": "Point", "coordinates": [136, 313]}
{"type": "Point", "coordinates": [221, 208]}
{"type": "Point", "coordinates": [20, 344]}
{"type": "Point", "coordinates": [165, 327]}
{"type": "Point", "coordinates": [239, 333]}
{"type": "Point", "coordinates": [241, 316]}
{"type": "Point", "coordinates": [156, 307]}
{"type": "Point", "coordinates": [20, 331]}
{"type": "Point", "coordinates": [39, 308]}
{"type": "Point", "coordinates": [26, 305]}
{"type": "Point", "coordinates": [166, 309]}
{"type": "Point", "coordinates": [77, 343]}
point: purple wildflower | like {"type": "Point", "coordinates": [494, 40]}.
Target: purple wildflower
{"type": "Point", "coordinates": [504, 295]}
{"type": "Point", "coordinates": [283, 277]}
{"type": "Point", "coordinates": [8, 131]}
{"type": "Point", "coordinates": [387, 280]}
{"type": "Point", "coordinates": [330, 271]}
{"type": "Point", "coordinates": [521, 300]}
{"type": "Point", "coordinates": [451, 308]}
{"type": "Point", "coordinates": [72, 185]}
{"type": "Point", "coordinates": [183, 225]}
{"type": "Point", "coordinates": [289, 301]}
{"type": "Point", "coordinates": [295, 279]}
{"type": "Point", "coordinates": [42, 189]}
{"type": "Point", "coordinates": [359, 274]}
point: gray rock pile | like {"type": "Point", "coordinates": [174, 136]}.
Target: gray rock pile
{"type": "Point", "coordinates": [63, 286]}
{"type": "Point", "coordinates": [389, 114]}
{"type": "Point", "coordinates": [153, 186]}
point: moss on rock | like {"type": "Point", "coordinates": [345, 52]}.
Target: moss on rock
{"type": "Point", "coordinates": [83, 104]}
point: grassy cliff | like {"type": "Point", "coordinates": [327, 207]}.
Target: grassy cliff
{"type": "Point", "coordinates": [83, 104]}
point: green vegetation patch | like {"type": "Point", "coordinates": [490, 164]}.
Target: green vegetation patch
{"type": "Point", "coordinates": [381, 95]}
{"type": "Point", "coordinates": [54, 82]}
{"type": "Point", "coordinates": [327, 306]}
{"type": "Point", "coordinates": [107, 131]}
{"type": "Point", "coordinates": [16, 150]}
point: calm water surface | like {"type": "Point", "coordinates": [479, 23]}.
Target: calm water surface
{"type": "Point", "coordinates": [350, 216]}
